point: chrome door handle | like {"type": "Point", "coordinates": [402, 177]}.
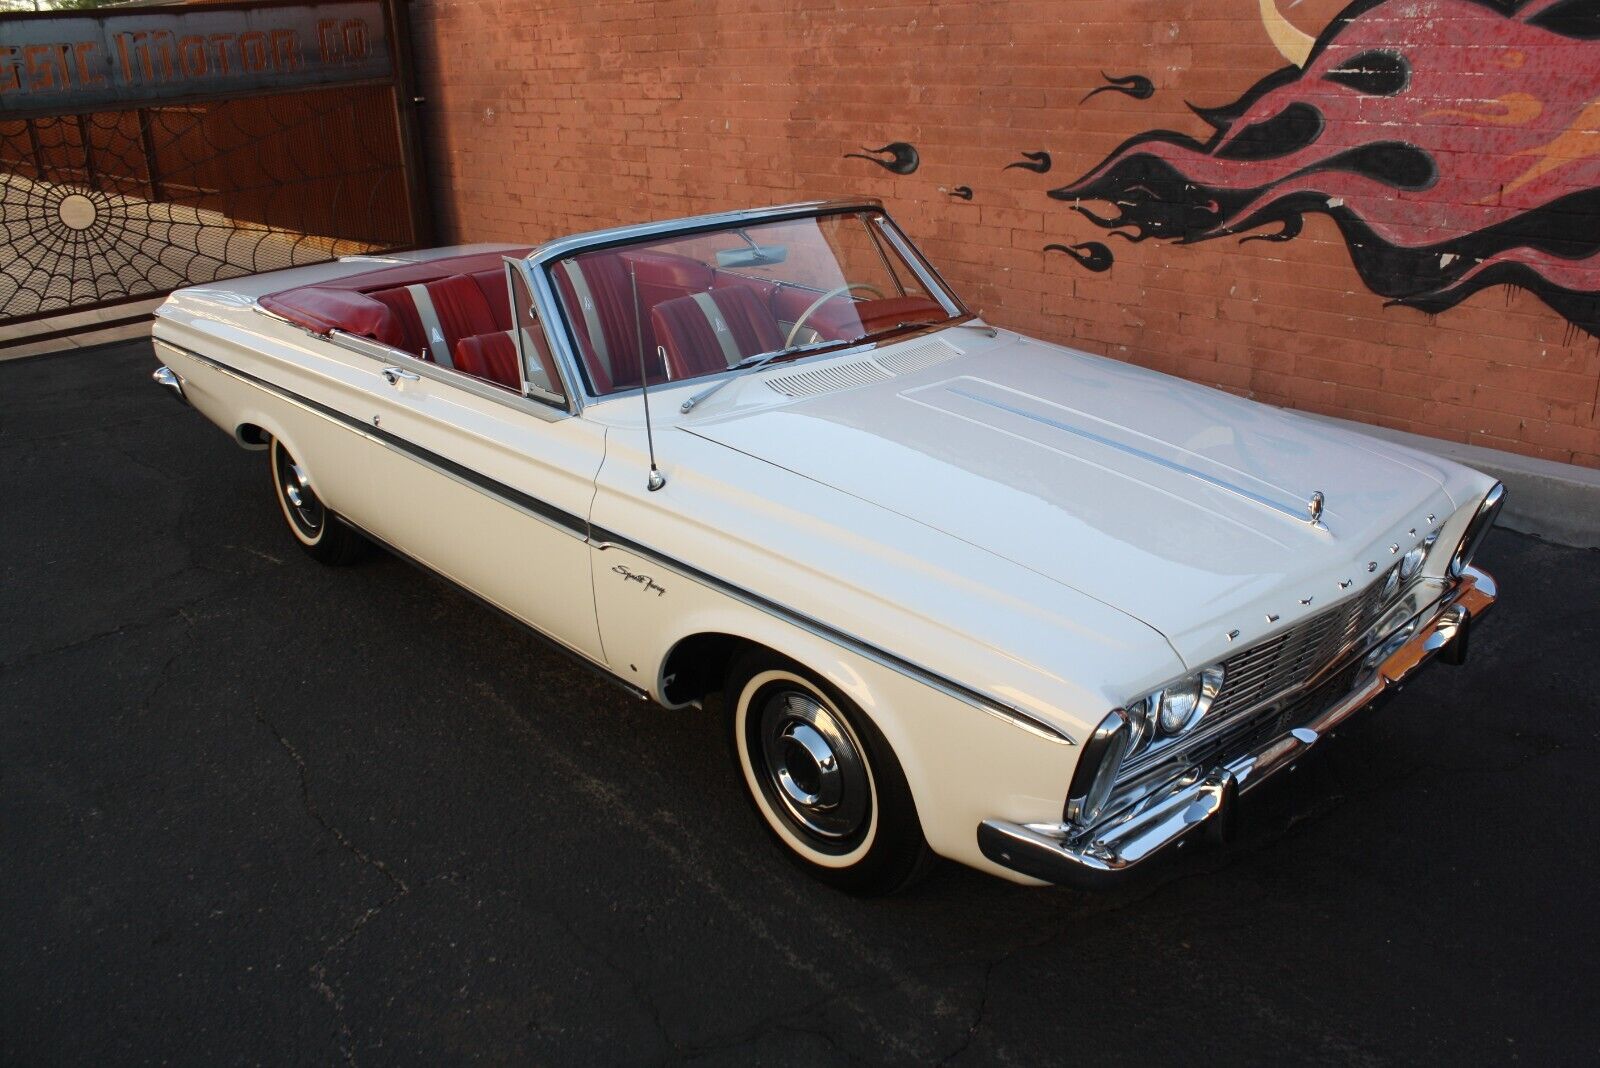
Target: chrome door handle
{"type": "Point", "coordinates": [393, 375]}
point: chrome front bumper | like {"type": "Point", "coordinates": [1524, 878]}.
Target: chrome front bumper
{"type": "Point", "coordinates": [1058, 853]}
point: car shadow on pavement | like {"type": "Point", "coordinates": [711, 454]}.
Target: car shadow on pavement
{"type": "Point", "coordinates": [255, 809]}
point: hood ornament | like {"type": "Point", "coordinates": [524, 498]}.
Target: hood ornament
{"type": "Point", "coordinates": [1314, 508]}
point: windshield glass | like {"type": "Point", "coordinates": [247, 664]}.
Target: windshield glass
{"type": "Point", "coordinates": [689, 306]}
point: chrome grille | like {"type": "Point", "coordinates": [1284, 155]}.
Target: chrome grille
{"type": "Point", "coordinates": [1294, 657]}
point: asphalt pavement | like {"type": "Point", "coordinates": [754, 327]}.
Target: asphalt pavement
{"type": "Point", "coordinates": [254, 810]}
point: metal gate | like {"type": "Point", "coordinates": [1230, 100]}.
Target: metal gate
{"type": "Point", "coordinates": [160, 147]}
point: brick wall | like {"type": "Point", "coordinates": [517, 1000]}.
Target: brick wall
{"type": "Point", "coordinates": [547, 118]}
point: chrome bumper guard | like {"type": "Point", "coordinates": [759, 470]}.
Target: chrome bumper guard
{"type": "Point", "coordinates": [170, 380]}
{"type": "Point", "coordinates": [1058, 853]}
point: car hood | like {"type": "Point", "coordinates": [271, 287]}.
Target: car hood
{"type": "Point", "coordinates": [1182, 506]}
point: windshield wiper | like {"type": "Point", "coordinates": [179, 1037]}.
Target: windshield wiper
{"type": "Point", "coordinates": [914, 324]}
{"type": "Point", "coordinates": [751, 363]}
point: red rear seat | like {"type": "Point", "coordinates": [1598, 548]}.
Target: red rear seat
{"type": "Point", "coordinates": [493, 284]}
{"type": "Point", "coordinates": [433, 316]}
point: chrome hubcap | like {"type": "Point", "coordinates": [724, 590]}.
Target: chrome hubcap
{"type": "Point", "coordinates": [812, 766]}
{"type": "Point", "coordinates": [304, 508]}
{"type": "Point", "coordinates": [296, 487]}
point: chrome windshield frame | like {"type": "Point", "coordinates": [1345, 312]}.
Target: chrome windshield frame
{"type": "Point", "coordinates": [559, 329]}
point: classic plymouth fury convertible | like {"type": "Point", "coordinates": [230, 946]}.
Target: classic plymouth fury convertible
{"type": "Point", "coordinates": [960, 592]}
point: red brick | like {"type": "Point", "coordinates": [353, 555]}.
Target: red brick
{"type": "Point", "coordinates": [614, 110]}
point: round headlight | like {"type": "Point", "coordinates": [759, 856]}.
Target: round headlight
{"type": "Point", "coordinates": [1184, 704]}
{"type": "Point", "coordinates": [1178, 705]}
{"type": "Point", "coordinates": [1411, 563]}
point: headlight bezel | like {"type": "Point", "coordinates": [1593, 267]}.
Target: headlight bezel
{"type": "Point", "coordinates": [1477, 529]}
{"type": "Point", "coordinates": [1104, 753]}
{"type": "Point", "coordinates": [1152, 732]}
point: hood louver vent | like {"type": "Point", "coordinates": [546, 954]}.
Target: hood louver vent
{"type": "Point", "coordinates": [827, 379]}
{"type": "Point", "coordinates": [909, 361]}
{"type": "Point", "coordinates": [862, 372]}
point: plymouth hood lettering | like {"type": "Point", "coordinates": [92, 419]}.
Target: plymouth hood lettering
{"type": "Point", "coordinates": [1172, 502]}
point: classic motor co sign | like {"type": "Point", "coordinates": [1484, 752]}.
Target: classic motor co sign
{"type": "Point", "coordinates": [86, 63]}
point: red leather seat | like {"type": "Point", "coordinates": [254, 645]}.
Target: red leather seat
{"type": "Point", "coordinates": [373, 303]}
{"type": "Point", "coordinates": [598, 294]}
{"type": "Point", "coordinates": [762, 288]}
{"type": "Point", "coordinates": [493, 285]}
{"type": "Point", "coordinates": [709, 332]}
{"type": "Point", "coordinates": [666, 276]}
{"type": "Point", "coordinates": [490, 356]}
{"type": "Point", "coordinates": [494, 357]}
{"type": "Point", "coordinates": [433, 316]}
{"type": "Point", "coordinates": [403, 310]}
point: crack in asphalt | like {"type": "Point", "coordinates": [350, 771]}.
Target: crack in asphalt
{"type": "Point", "coordinates": [180, 612]}
{"type": "Point", "coordinates": [977, 1019]}
{"type": "Point", "coordinates": [632, 981]}
{"type": "Point", "coordinates": [319, 968]}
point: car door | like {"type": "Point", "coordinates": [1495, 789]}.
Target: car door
{"type": "Point", "coordinates": [488, 485]}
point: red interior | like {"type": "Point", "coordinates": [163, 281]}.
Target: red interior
{"type": "Point", "coordinates": [690, 338]}
{"type": "Point", "coordinates": [471, 315]}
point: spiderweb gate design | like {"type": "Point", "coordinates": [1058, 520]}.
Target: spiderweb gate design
{"type": "Point", "coordinates": [102, 207]}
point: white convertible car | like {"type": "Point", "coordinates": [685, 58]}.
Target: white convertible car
{"type": "Point", "coordinates": [961, 592]}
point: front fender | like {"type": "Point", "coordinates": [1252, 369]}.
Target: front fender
{"type": "Point", "coordinates": [963, 764]}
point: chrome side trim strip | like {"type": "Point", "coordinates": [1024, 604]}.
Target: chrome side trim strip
{"type": "Point", "coordinates": [573, 524]}
{"type": "Point", "coordinates": [547, 409]}
{"type": "Point", "coordinates": [604, 539]}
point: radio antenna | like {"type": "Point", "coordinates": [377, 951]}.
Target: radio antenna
{"type": "Point", "coordinates": [657, 479]}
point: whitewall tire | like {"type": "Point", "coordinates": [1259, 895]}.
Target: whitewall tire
{"type": "Point", "coordinates": [822, 778]}
{"type": "Point", "coordinates": [314, 525]}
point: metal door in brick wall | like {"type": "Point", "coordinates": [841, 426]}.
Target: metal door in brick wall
{"type": "Point", "coordinates": [146, 149]}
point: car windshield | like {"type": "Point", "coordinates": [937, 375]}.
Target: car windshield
{"type": "Point", "coordinates": [688, 306]}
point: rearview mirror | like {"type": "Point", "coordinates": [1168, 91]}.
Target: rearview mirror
{"type": "Point", "coordinates": [754, 256]}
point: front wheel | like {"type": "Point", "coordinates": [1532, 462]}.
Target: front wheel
{"type": "Point", "coordinates": [823, 779]}
{"type": "Point", "coordinates": [315, 526]}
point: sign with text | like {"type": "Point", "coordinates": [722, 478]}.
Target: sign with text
{"type": "Point", "coordinates": [82, 63]}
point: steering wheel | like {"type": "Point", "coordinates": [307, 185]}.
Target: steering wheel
{"type": "Point", "coordinates": [836, 291]}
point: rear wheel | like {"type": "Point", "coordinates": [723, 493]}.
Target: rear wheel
{"type": "Point", "coordinates": [823, 778]}
{"type": "Point", "coordinates": [314, 525]}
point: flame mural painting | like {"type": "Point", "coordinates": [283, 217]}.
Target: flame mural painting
{"type": "Point", "coordinates": [1454, 143]}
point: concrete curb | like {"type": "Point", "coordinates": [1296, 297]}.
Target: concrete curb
{"type": "Point", "coordinates": [1557, 502]}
